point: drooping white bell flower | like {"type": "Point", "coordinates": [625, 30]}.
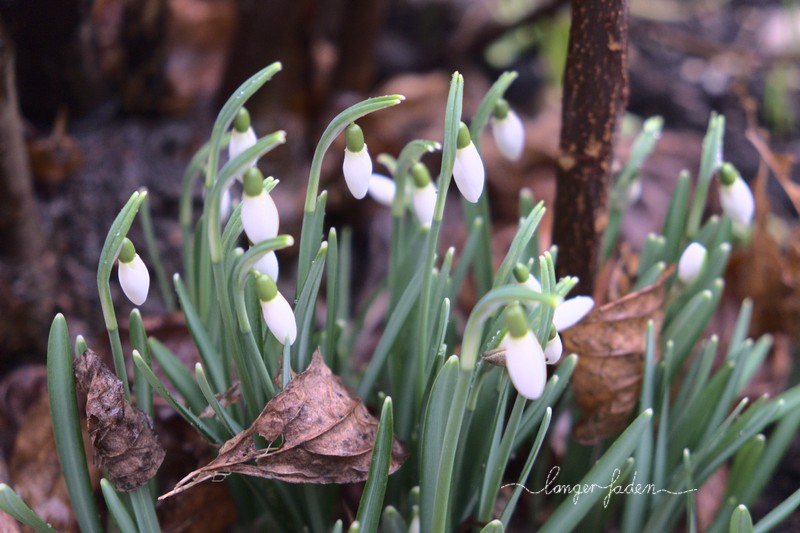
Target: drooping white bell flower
{"type": "Point", "coordinates": [691, 262]}
{"type": "Point", "coordinates": [276, 311]}
{"type": "Point", "coordinates": [424, 195]}
{"type": "Point", "coordinates": [524, 277]}
{"type": "Point", "coordinates": [571, 311]}
{"type": "Point", "coordinates": [508, 131]}
{"type": "Point", "coordinates": [259, 212]}
{"type": "Point", "coordinates": [567, 314]}
{"type": "Point", "coordinates": [735, 196]}
{"type": "Point", "coordinates": [268, 264]}
{"type": "Point", "coordinates": [242, 138]}
{"type": "Point", "coordinates": [468, 168]}
{"type": "Point", "coordinates": [357, 166]}
{"type": "Point", "coordinates": [525, 359]}
{"type": "Point", "coordinates": [553, 350]}
{"type": "Point", "coordinates": [133, 275]}
{"type": "Point", "coordinates": [382, 189]}
{"type": "Point", "coordinates": [225, 205]}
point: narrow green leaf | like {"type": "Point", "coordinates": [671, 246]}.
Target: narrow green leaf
{"type": "Point", "coordinates": [569, 513]}
{"type": "Point", "coordinates": [519, 244]}
{"type": "Point", "coordinates": [305, 310]}
{"type": "Point", "coordinates": [178, 375]}
{"type": "Point", "coordinates": [511, 504]}
{"type": "Point", "coordinates": [712, 152]}
{"type": "Point", "coordinates": [741, 522]}
{"type": "Point", "coordinates": [227, 421]}
{"type": "Point", "coordinates": [369, 510]}
{"type": "Point", "coordinates": [144, 510]}
{"type": "Point", "coordinates": [495, 526]}
{"type": "Point", "coordinates": [67, 428]}
{"type": "Point", "coordinates": [675, 222]}
{"type": "Point", "coordinates": [11, 503]}
{"type": "Point", "coordinates": [207, 432]}
{"type": "Point", "coordinates": [390, 332]}
{"type": "Point", "coordinates": [138, 337]}
{"type": "Point", "coordinates": [117, 509]}
{"type": "Point", "coordinates": [432, 436]}
{"type": "Point", "coordinates": [778, 514]}
{"type": "Point", "coordinates": [208, 353]}
{"type": "Point", "coordinates": [392, 521]}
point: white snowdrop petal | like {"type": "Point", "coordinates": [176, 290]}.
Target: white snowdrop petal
{"type": "Point", "coordinates": [509, 135]}
{"type": "Point", "coordinates": [570, 312]}
{"type": "Point", "coordinates": [424, 201]}
{"type": "Point", "coordinates": [134, 280]}
{"type": "Point", "coordinates": [357, 169]}
{"type": "Point", "coordinates": [468, 173]}
{"type": "Point", "coordinates": [553, 350]}
{"type": "Point", "coordinates": [268, 264]}
{"type": "Point", "coordinates": [634, 191]}
{"type": "Point", "coordinates": [737, 201]}
{"type": "Point", "coordinates": [691, 262]}
{"type": "Point", "coordinates": [533, 283]}
{"type": "Point", "coordinates": [225, 205]}
{"type": "Point", "coordinates": [382, 189]}
{"type": "Point", "coordinates": [526, 366]}
{"type": "Point", "coordinates": [241, 141]}
{"type": "Point", "coordinates": [259, 217]}
{"type": "Point", "coordinates": [279, 318]}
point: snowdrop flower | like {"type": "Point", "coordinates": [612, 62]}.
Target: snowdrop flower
{"type": "Point", "coordinates": [242, 138]}
{"type": "Point", "coordinates": [691, 262]}
{"type": "Point", "coordinates": [268, 264]}
{"type": "Point", "coordinates": [468, 168]}
{"type": "Point", "coordinates": [276, 311]}
{"type": "Point", "coordinates": [508, 131]}
{"type": "Point", "coordinates": [524, 277]}
{"type": "Point", "coordinates": [259, 213]}
{"type": "Point", "coordinates": [357, 166]}
{"type": "Point", "coordinates": [382, 189]}
{"type": "Point", "coordinates": [133, 275]}
{"type": "Point", "coordinates": [525, 359]}
{"type": "Point", "coordinates": [567, 314]}
{"type": "Point", "coordinates": [225, 204]}
{"type": "Point", "coordinates": [735, 196]}
{"type": "Point", "coordinates": [424, 196]}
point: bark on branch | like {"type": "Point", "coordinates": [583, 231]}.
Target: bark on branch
{"type": "Point", "coordinates": [595, 94]}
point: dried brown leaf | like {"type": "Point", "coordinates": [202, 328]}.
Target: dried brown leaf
{"type": "Point", "coordinates": [316, 431]}
{"type": "Point", "coordinates": [122, 434]}
{"type": "Point", "coordinates": [611, 343]}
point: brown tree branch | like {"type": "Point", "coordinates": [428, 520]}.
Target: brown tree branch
{"type": "Point", "coordinates": [595, 94]}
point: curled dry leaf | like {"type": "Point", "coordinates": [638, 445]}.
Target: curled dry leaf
{"type": "Point", "coordinates": [122, 435]}
{"type": "Point", "coordinates": [611, 342]}
{"type": "Point", "coordinates": [314, 431]}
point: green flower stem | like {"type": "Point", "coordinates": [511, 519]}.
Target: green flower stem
{"type": "Point", "coordinates": [228, 113]}
{"type": "Point", "coordinates": [309, 238]}
{"type": "Point", "coordinates": [138, 339]}
{"type": "Point", "coordinates": [214, 200]}
{"type": "Point", "coordinates": [164, 286]}
{"type": "Point", "coordinates": [116, 234]}
{"type": "Point", "coordinates": [451, 123]}
{"type": "Point", "coordinates": [483, 267]}
{"type": "Point", "coordinates": [470, 351]}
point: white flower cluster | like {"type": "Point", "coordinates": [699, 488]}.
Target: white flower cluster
{"type": "Point", "coordinates": [525, 359]}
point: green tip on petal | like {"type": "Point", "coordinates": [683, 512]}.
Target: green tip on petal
{"type": "Point", "coordinates": [553, 332]}
{"type": "Point", "coordinates": [501, 109]}
{"type": "Point", "coordinates": [521, 273]}
{"type": "Point", "coordinates": [354, 138]}
{"type": "Point", "coordinates": [253, 181]}
{"type": "Point", "coordinates": [727, 174]}
{"type": "Point", "coordinates": [464, 139]}
{"type": "Point", "coordinates": [420, 174]}
{"type": "Point", "coordinates": [266, 288]}
{"type": "Point", "coordinates": [516, 321]}
{"type": "Point", "coordinates": [127, 252]}
{"type": "Point", "coordinates": [241, 122]}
